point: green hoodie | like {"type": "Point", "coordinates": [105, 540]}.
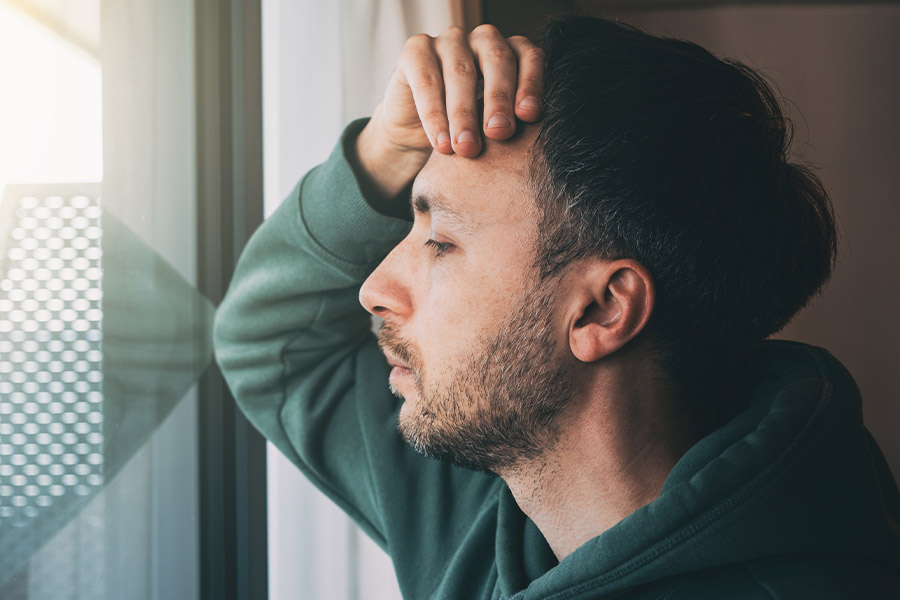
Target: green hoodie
{"type": "Point", "coordinates": [791, 498]}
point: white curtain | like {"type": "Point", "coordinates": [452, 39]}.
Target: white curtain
{"type": "Point", "coordinates": [324, 64]}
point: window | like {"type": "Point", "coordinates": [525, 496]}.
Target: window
{"type": "Point", "coordinates": [125, 471]}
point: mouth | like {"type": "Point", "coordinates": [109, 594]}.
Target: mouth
{"type": "Point", "coordinates": [397, 364]}
{"type": "Point", "coordinates": [400, 372]}
{"type": "Point", "coordinates": [399, 356]}
{"type": "Point", "coordinates": [399, 369]}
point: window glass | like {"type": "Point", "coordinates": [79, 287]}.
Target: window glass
{"type": "Point", "coordinates": [102, 332]}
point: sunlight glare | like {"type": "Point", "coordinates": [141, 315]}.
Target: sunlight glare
{"type": "Point", "coordinates": [50, 106]}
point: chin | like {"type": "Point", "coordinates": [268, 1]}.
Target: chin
{"type": "Point", "coordinates": [406, 409]}
{"type": "Point", "coordinates": [405, 392]}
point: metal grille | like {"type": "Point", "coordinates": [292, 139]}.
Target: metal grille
{"type": "Point", "coordinates": [51, 337]}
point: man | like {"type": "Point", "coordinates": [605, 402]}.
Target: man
{"type": "Point", "coordinates": [573, 322]}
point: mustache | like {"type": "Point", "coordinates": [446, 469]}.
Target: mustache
{"type": "Point", "coordinates": [390, 342]}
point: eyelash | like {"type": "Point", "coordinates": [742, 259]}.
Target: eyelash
{"type": "Point", "coordinates": [439, 247]}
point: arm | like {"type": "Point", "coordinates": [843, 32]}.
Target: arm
{"type": "Point", "coordinates": [297, 351]}
{"type": "Point", "coordinates": [291, 337]}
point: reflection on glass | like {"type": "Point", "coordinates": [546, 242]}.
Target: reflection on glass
{"type": "Point", "coordinates": [51, 396]}
{"type": "Point", "coordinates": [92, 358]}
{"type": "Point", "coordinates": [101, 338]}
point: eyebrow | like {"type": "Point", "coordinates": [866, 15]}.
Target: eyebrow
{"type": "Point", "coordinates": [433, 203]}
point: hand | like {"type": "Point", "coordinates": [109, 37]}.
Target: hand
{"type": "Point", "coordinates": [433, 101]}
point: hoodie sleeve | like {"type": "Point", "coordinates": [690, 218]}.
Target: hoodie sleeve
{"type": "Point", "coordinates": [297, 351]}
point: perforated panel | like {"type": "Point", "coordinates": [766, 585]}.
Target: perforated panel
{"type": "Point", "coordinates": [51, 352]}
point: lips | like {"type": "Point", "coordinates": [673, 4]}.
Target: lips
{"type": "Point", "coordinates": [393, 348]}
{"type": "Point", "coordinates": [398, 368]}
{"type": "Point", "coordinates": [395, 362]}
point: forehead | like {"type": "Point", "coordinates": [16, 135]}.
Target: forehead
{"type": "Point", "coordinates": [492, 186]}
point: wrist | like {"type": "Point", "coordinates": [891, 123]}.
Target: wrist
{"type": "Point", "coordinates": [386, 169]}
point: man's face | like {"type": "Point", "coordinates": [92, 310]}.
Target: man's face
{"type": "Point", "coordinates": [467, 325]}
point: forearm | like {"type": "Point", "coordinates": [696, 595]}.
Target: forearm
{"type": "Point", "coordinates": [292, 304]}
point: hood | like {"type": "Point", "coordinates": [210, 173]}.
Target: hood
{"type": "Point", "coordinates": [795, 471]}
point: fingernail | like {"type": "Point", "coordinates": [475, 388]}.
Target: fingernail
{"type": "Point", "coordinates": [530, 103]}
{"type": "Point", "coordinates": [498, 121]}
{"type": "Point", "coordinates": [442, 138]}
{"type": "Point", "coordinates": [466, 136]}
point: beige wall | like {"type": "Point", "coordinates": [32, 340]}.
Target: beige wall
{"type": "Point", "coordinates": [838, 67]}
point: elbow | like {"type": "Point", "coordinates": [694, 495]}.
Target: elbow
{"type": "Point", "coordinates": [226, 341]}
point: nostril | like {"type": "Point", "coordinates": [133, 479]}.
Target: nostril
{"type": "Point", "coordinates": [378, 310]}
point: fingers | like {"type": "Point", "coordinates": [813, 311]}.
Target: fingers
{"type": "Point", "coordinates": [497, 62]}
{"type": "Point", "coordinates": [443, 77]}
{"type": "Point", "coordinates": [420, 70]}
{"type": "Point", "coordinates": [460, 84]}
{"type": "Point", "coordinates": [530, 83]}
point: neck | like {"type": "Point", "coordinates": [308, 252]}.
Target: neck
{"type": "Point", "coordinates": [615, 449]}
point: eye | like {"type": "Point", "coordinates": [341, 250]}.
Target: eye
{"type": "Point", "coordinates": [439, 247]}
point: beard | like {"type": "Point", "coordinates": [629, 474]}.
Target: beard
{"type": "Point", "coordinates": [499, 408]}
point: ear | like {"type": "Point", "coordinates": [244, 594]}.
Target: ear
{"type": "Point", "coordinates": [610, 304]}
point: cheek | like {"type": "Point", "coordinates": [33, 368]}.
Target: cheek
{"type": "Point", "coordinates": [458, 310]}
{"type": "Point", "coordinates": [444, 320]}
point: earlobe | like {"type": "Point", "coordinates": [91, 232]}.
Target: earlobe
{"type": "Point", "coordinates": [611, 308]}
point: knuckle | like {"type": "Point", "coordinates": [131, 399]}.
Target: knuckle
{"type": "Point", "coordinates": [533, 54]}
{"type": "Point", "coordinates": [434, 117]}
{"type": "Point", "coordinates": [419, 40]}
{"type": "Point", "coordinates": [531, 86]}
{"type": "Point", "coordinates": [485, 30]}
{"type": "Point", "coordinates": [531, 79]}
{"type": "Point", "coordinates": [499, 96]}
{"type": "Point", "coordinates": [427, 78]}
{"type": "Point", "coordinates": [464, 114]}
{"type": "Point", "coordinates": [463, 68]}
{"type": "Point", "coordinates": [454, 31]}
{"type": "Point", "coordinates": [500, 54]}
{"type": "Point", "coordinates": [531, 83]}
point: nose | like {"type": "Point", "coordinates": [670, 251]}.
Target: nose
{"type": "Point", "coordinates": [385, 293]}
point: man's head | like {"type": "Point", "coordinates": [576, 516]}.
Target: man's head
{"type": "Point", "coordinates": [656, 150]}
{"type": "Point", "coordinates": [652, 213]}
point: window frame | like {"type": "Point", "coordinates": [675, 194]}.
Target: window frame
{"type": "Point", "coordinates": [228, 61]}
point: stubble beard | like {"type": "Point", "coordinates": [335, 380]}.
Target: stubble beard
{"type": "Point", "coordinates": [500, 409]}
